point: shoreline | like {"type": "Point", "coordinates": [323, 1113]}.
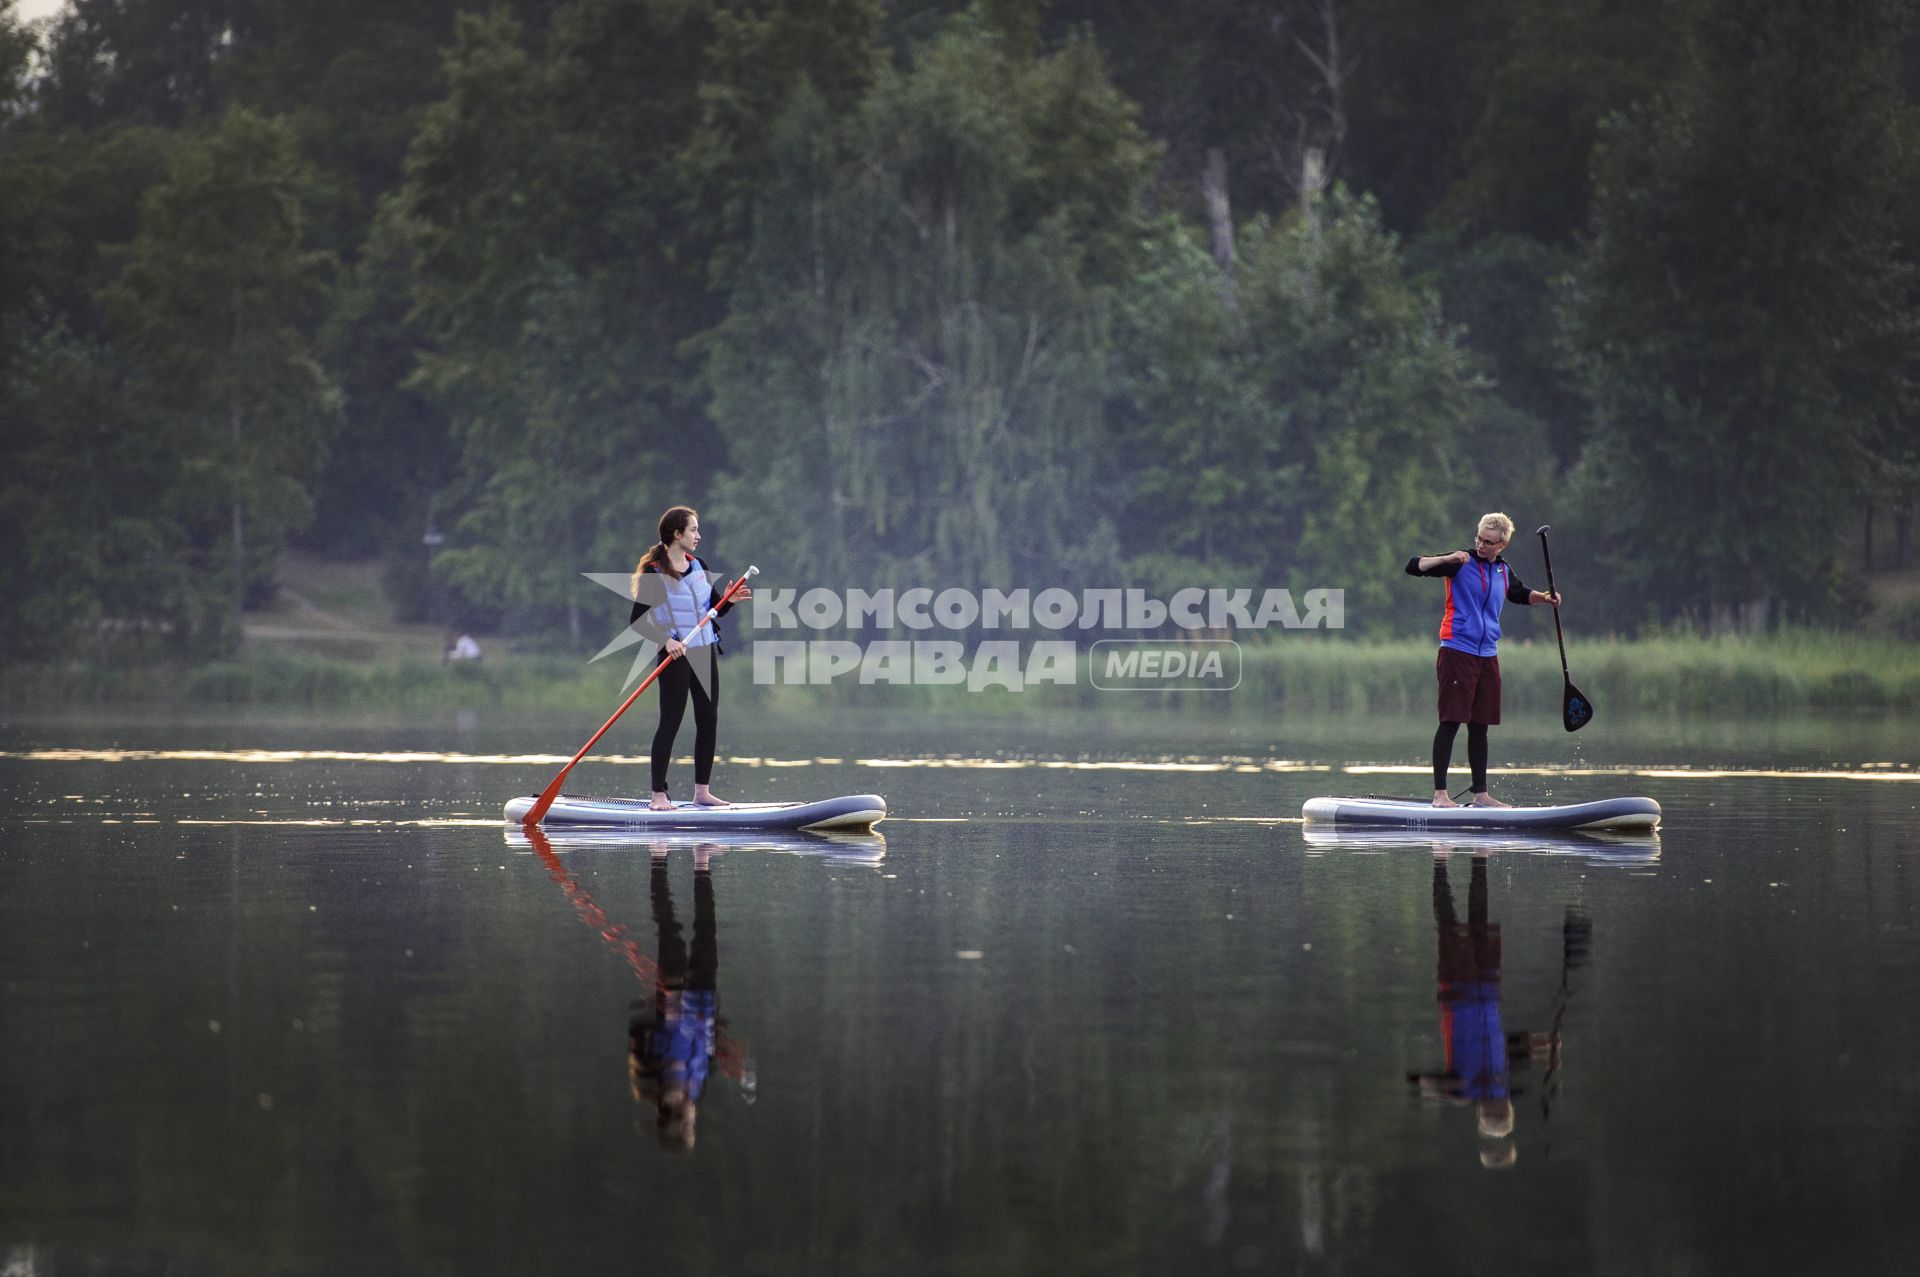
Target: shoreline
{"type": "Point", "coordinates": [1791, 671]}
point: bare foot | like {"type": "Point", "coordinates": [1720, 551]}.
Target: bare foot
{"type": "Point", "coordinates": [703, 797]}
{"type": "Point", "coordinates": [1440, 799]}
{"type": "Point", "coordinates": [660, 803]}
{"type": "Point", "coordinates": [1488, 800]}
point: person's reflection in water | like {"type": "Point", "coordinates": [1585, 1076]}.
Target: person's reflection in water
{"type": "Point", "coordinates": [671, 1044]}
{"type": "Point", "coordinates": [1480, 1054]}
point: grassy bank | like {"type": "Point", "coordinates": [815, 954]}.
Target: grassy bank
{"type": "Point", "coordinates": [277, 676]}
{"type": "Point", "coordinates": [1752, 676]}
{"type": "Point", "coordinates": [1788, 671]}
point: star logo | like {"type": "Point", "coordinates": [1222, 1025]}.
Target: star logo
{"type": "Point", "coordinates": [646, 633]}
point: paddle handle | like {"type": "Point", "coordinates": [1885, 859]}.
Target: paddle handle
{"type": "Point", "coordinates": [1558, 635]}
{"type": "Point", "coordinates": [538, 812]}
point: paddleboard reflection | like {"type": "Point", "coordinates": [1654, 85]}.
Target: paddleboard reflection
{"type": "Point", "coordinates": [1599, 848]}
{"type": "Point", "coordinates": [862, 848]}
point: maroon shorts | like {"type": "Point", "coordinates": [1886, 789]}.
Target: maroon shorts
{"type": "Point", "coordinates": [1469, 687]}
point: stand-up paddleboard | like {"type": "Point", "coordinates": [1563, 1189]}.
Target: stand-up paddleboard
{"type": "Point", "coordinates": [866, 846]}
{"type": "Point", "coordinates": [1617, 814]}
{"type": "Point", "coordinates": [1599, 846]}
{"type": "Point", "coordinates": [852, 811]}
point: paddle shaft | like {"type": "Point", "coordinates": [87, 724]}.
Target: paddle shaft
{"type": "Point", "coordinates": [538, 812]}
{"type": "Point", "coordinates": [1559, 637]}
{"type": "Point", "coordinates": [1575, 933]}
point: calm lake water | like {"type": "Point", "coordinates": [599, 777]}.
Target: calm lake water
{"type": "Point", "coordinates": [280, 996]}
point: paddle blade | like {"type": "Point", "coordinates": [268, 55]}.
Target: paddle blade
{"type": "Point", "coordinates": [1576, 711]}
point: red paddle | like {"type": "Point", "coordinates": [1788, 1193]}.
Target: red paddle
{"type": "Point", "coordinates": [538, 812]}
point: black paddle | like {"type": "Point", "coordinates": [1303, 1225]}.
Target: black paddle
{"type": "Point", "coordinates": [1576, 711]}
{"type": "Point", "coordinates": [1576, 943]}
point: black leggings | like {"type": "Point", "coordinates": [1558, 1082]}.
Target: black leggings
{"type": "Point", "coordinates": [676, 683]}
{"type": "Point", "coordinates": [1443, 754]}
{"type": "Point", "coordinates": [677, 970]}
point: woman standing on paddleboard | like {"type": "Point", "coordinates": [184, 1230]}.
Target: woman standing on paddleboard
{"type": "Point", "coordinates": [672, 589]}
{"type": "Point", "coordinates": [1478, 585]}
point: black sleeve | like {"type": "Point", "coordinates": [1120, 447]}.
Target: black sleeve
{"type": "Point", "coordinates": [1517, 591]}
{"type": "Point", "coordinates": [1444, 569]}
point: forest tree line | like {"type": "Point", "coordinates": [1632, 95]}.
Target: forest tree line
{"type": "Point", "coordinates": [1008, 293]}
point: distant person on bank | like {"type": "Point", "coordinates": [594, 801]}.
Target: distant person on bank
{"type": "Point", "coordinates": [1479, 583]}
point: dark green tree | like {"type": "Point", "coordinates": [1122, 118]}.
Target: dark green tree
{"type": "Point", "coordinates": [1378, 398]}
{"type": "Point", "coordinates": [912, 373]}
{"type": "Point", "coordinates": [1557, 69]}
{"type": "Point", "coordinates": [1745, 313]}
{"type": "Point", "coordinates": [1210, 486]}
{"type": "Point", "coordinates": [557, 273]}
{"type": "Point", "coordinates": [92, 555]}
{"type": "Point", "coordinates": [214, 306]}
{"type": "Point", "coordinates": [142, 61]}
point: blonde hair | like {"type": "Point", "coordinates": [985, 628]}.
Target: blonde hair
{"type": "Point", "coordinates": [1499, 523]}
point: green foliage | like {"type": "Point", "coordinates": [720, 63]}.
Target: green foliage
{"type": "Point", "coordinates": [1311, 436]}
{"type": "Point", "coordinates": [141, 61]}
{"type": "Point", "coordinates": [543, 279]}
{"type": "Point", "coordinates": [1213, 486]}
{"type": "Point", "coordinates": [1503, 292]}
{"type": "Point", "coordinates": [1380, 394]}
{"type": "Point", "coordinates": [758, 60]}
{"type": "Point", "coordinates": [1421, 73]}
{"type": "Point", "coordinates": [18, 45]}
{"type": "Point", "coordinates": [393, 450]}
{"type": "Point", "coordinates": [1210, 74]}
{"type": "Point", "coordinates": [928, 289]}
{"type": "Point", "coordinates": [1561, 68]}
{"type": "Point", "coordinates": [169, 398]}
{"type": "Point", "coordinates": [84, 537]}
{"type": "Point", "coordinates": [1745, 313]}
{"type": "Point", "coordinates": [911, 377]}
{"type": "Point", "coordinates": [215, 303]}
{"type": "Point", "coordinates": [352, 80]}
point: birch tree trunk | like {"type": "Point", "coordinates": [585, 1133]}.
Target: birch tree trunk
{"type": "Point", "coordinates": [1213, 185]}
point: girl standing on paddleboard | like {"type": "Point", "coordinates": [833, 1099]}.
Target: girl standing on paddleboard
{"type": "Point", "coordinates": [1478, 585]}
{"type": "Point", "coordinates": [671, 588]}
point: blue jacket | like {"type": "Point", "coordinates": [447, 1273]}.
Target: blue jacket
{"type": "Point", "coordinates": [1476, 591]}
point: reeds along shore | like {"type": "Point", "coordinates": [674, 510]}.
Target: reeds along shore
{"type": "Point", "coordinates": [1788, 671]}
